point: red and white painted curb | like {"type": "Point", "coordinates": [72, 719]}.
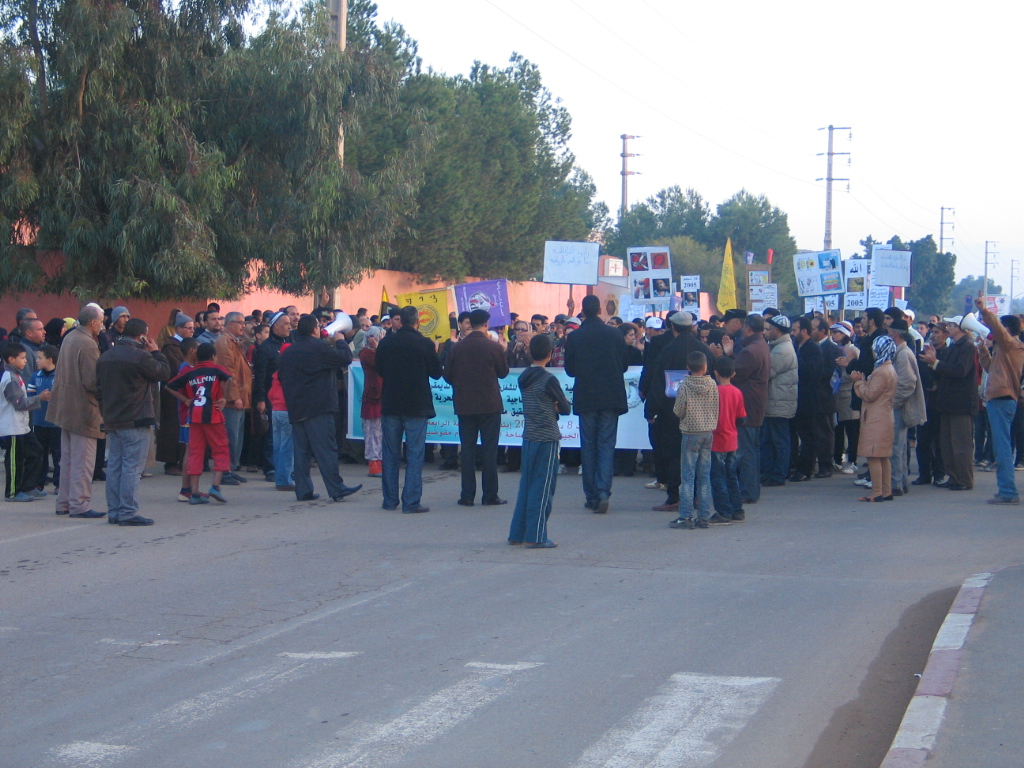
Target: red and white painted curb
{"type": "Point", "coordinates": [916, 736]}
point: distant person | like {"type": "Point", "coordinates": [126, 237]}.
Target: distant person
{"type": "Point", "coordinates": [543, 402]}
{"type": "Point", "coordinates": [876, 418]}
{"type": "Point", "coordinates": [46, 433]}
{"type": "Point", "coordinates": [732, 414]}
{"type": "Point", "coordinates": [696, 407]}
{"type": "Point", "coordinates": [23, 456]}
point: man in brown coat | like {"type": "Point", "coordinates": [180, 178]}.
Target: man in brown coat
{"type": "Point", "coordinates": [473, 368]}
{"type": "Point", "coordinates": [231, 357]}
{"type": "Point", "coordinates": [75, 409]}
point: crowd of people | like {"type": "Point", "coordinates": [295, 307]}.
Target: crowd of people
{"type": "Point", "coordinates": [734, 404]}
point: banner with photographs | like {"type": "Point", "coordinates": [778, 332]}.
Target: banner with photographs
{"type": "Point", "coordinates": [691, 294]}
{"type": "Point", "coordinates": [491, 295]}
{"type": "Point", "coordinates": [650, 274]}
{"type": "Point", "coordinates": [818, 274]}
{"type": "Point", "coordinates": [762, 297]}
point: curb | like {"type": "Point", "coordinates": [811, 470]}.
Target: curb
{"type": "Point", "coordinates": [916, 736]}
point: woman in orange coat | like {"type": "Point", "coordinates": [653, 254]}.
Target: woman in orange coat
{"type": "Point", "coordinates": [876, 418]}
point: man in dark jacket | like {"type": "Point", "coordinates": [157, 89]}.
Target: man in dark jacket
{"type": "Point", "coordinates": [830, 353]}
{"type": "Point", "coordinates": [753, 369]}
{"type": "Point", "coordinates": [956, 400]}
{"type": "Point", "coordinates": [811, 402]}
{"type": "Point", "coordinates": [264, 365]}
{"type": "Point", "coordinates": [658, 407]}
{"type": "Point", "coordinates": [406, 361]}
{"type": "Point", "coordinates": [473, 368]}
{"type": "Point", "coordinates": [126, 378]}
{"type": "Point", "coordinates": [308, 372]}
{"type": "Point", "coordinates": [929, 453]}
{"type": "Point", "coordinates": [596, 357]}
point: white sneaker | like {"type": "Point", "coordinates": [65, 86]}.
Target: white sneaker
{"type": "Point", "coordinates": [654, 485]}
{"type": "Point", "coordinates": [865, 483]}
{"type": "Point", "coordinates": [580, 470]}
{"type": "Point", "coordinates": [849, 468]}
{"type": "Point", "coordinates": [561, 469]}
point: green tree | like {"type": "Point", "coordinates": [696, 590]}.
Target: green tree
{"type": "Point", "coordinates": [165, 153]}
{"type": "Point", "coordinates": [670, 213]}
{"type": "Point", "coordinates": [971, 286]}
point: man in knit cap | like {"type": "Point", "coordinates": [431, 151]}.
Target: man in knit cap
{"type": "Point", "coordinates": [169, 449]}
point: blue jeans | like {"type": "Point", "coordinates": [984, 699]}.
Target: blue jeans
{"type": "Point", "coordinates": [775, 448]}
{"type": "Point", "coordinates": [748, 463]}
{"type": "Point", "coordinates": [234, 419]}
{"type": "Point", "coordinates": [127, 451]}
{"type": "Point", "coordinates": [597, 444]}
{"type": "Point", "coordinates": [536, 492]}
{"type": "Point", "coordinates": [898, 460]}
{"type": "Point", "coordinates": [284, 447]}
{"type": "Point", "coordinates": [696, 471]}
{"type": "Point", "coordinates": [725, 485]}
{"type": "Point", "coordinates": [415, 430]}
{"type": "Point", "coordinates": [1000, 419]}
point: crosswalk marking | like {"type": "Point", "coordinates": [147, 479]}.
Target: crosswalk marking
{"type": "Point", "coordinates": [685, 725]}
{"type": "Point", "coordinates": [381, 745]}
{"type": "Point", "coordinates": [319, 655]}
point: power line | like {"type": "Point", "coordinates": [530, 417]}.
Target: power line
{"type": "Point", "coordinates": [650, 106]}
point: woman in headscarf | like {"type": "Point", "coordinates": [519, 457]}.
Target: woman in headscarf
{"type": "Point", "coordinates": [54, 330]}
{"type": "Point", "coordinates": [876, 418]}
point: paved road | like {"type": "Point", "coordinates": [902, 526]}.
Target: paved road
{"type": "Point", "coordinates": [270, 633]}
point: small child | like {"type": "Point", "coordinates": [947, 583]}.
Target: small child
{"type": "Point", "coordinates": [23, 461]}
{"type": "Point", "coordinates": [46, 433]}
{"type": "Point", "coordinates": [543, 401]}
{"type": "Point", "coordinates": [205, 389]}
{"type": "Point", "coordinates": [725, 481]}
{"type": "Point", "coordinates": [697, 409]}
{"type": "Point", "coordinates": [373, 429]}
{"type": "Point", "coordinates": [188, 352]}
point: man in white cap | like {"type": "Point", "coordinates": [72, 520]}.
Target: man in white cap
{"type": "Point", "coordinates": [776, 444]}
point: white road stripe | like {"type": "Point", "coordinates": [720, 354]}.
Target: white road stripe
{"type": "Point", "coordinates": [378, 746]}
{"type": "Point", "coordinates": [978, 580]}
{"type": "Point", "coordinates": [953, 632]}
{"type": "Point", "coordinates": [320, 655]}
{"type": "Point", "coordinates": [921, 723]}
{"type": "Point", "coordinates": [134, 643]}
{"type": "Point", "coordinates": [685, 725]}
{"type": "Point", "coordinates": [42, 533]}
{"type": "Point", "coordinates": [88, 753]}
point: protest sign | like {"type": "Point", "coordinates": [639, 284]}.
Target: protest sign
{"type": "Point", "coordinates": [999, 304]}
{"type": "Point", "coordinates": [821, 303]}
{"type": "Point", "coordinates": [433, 307]}
{"type": "Point", "coordinates": [818, 274]}
{"type": "Point", "coordinates": [650, 275]}
{"type": "Point", "coordinates": [444, 427]}
{"type": "Point", "coordinates": [491, 295]}
{"type": "Point", "coordinates": [878, 296]}
{"type": "Point", "coordinates": [890, 267]}
{"type": "Point", "coordinates": [571, 263]}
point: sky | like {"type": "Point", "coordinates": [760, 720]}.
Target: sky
{"type": "Point", "coordinates": [727, 96]}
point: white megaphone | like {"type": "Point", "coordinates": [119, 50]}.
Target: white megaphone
{"type": "Point", "coordinates": [974, 325]}
{"type": "Point", "coordinates": [343, 323]}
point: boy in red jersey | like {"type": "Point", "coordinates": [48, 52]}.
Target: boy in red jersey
{"type": "Point", "coordinates": [725, 483]}
{"type": "Point", "coordinates": [206, 389]}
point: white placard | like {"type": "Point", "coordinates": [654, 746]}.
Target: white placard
{"type": "Point", "coordinates": [890, 267]}
{"type": "Point", "coordinates": [771, 295]}
{"type": "Point", "coordinates": [691, 283]}
{"type": "Point", "coordinates": [818, 274]}
{"type": "Point", "coordinates": [1000, 304]}
{"type": "Point", "coordinates": [878, 296]}
{"type": "Point", "coordinates": [571, 263]}
{"type": "Point", "coordinates": [856, 301]}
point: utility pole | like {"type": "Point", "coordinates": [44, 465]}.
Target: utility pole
{"type": "Point", "coordinates": [984, 287]}
{"type": "Point", "coordinates": [828, 183]}
{"type": "Point", "coordinates": [626, 173]}
{"type": "Point", "coordinates": [942, 228]}
{"type": "Point", "coordinates": [338, 11]}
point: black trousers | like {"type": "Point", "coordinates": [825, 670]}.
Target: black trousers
{"type": "Point", "coordinates": [929, 454]}
{"type": "Point", "coordinates": [487, 426]}
{"type": "Point", "coordinates": [23, 464]}
{"type": "Point", "coordinates": [49, 442]}
{"type": "Point", "coordinates": [667, 454]}
{"type": "Point", "coordinates": [816, 441]}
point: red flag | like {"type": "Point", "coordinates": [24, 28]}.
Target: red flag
{"type": "Point", "coordinates": [771, 255]}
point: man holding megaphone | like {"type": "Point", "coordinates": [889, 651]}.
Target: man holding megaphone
{"type": "Point", "coordinates": [1002, 392]}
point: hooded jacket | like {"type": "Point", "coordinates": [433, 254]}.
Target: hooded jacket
{"type": "Point", "coordinates": [783, 384]}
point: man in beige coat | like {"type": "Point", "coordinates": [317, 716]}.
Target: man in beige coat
{"type": "Point", "coordinates": [908, 406]}
{"type": "Point", "coordinates": [75, 409]}
{"type": "Point", "coordinates": [231, 357]}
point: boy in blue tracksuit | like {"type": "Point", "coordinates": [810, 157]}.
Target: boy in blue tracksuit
{"type": "Point", "coordinates": [23, 460]}
{"type": "Point", "coordinates": [46, 433]}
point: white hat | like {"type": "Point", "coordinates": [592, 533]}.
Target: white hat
{"type": "Point", "coordinates": [781, 322]}
{"type": "Point", "coordinates": [574, 321]}
{"type": "Point", "coordinates": [955, 320]}
{"type": "Point", "coordinates": [681, 318]}
{"type": "Point", "coordinates": [654, 322]}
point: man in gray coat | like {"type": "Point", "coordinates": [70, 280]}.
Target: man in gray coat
{"type": "Point", "coordinates": [776, 445]}
{"type": "Point", "coordinates": [908, 407]}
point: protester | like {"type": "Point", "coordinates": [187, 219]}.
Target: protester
{"type": "Point", "coordinates": [876, 418]}
{"type": "Point", "coordinates": [169, 449]}
{"type": "Point", "coordinates": [732, 415]}
{"type": "Point", "coordinates": [33, 336]}
{"type": "Point", "coordinates": [595, 357]}
{"type": "Point", "coordinates": [119, 316]}
{"type": "Point", "coordinates": [783, 390]}
{"type": "Point", "coordinates": [406, 362]}
{"type": "Point", "coordinates": [929, 452]}
{"type": "Point", "coordinates": [753, 367]}
{"type": "Point", "coordinates": [284, 443]}
{"type": "Point", "coordinates": [75, 410]}
{"type": "Point", "coordinates": [908, 404]}
{"type": "Point", "coordinates": [308, 370]}
{"type": "Point", "coordinates": [188, 351]}
{"type": "Point", "coordinates": [370, 411]}
{"type": "Point", "coordinates": [474, 367]}
{"type": "Point", "coordinates": [813, 399]}
{"type": "Point", "coordinates": [1002, 394]}
{"type": "Point", "coordinates": [265, 363]}
{"type": "Point", "coordinates": [543, 402]}
{"type": "Point", "coordinates": [848, 420]}
{"type": "Point", "coordinates": [54, 330]}
{"type": "Point", "coordinates": [46, 433]}
{"type": "Point", "coordinates": [831, 375]}
{"type": "Point", "coordinates": [23, 455]}
{"type": "Point", "coordinates": [696, 407]}
{"type": "Point", "coordinates": [205, 389]}
{"type": "Point", "coordinates": [126, 379]}
{"type": "Point", "coordinates": [231, 357]}
{"type": "Point", "coordinates": [213, 327]}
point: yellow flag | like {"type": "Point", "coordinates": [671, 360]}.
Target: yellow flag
{"type": "Point", "coordinates": [433, 307]}
{"type": "Point", "coordinates": [727, 286]}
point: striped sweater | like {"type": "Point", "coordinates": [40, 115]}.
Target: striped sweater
{"type": "Point", "coordinates": [543, 401]}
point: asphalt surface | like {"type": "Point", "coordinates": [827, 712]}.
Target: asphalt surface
{"type": "Point", "coordinates": [266, 632]}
